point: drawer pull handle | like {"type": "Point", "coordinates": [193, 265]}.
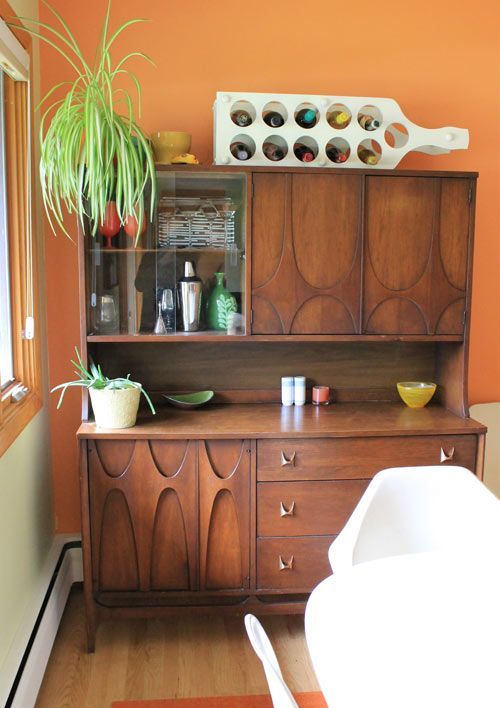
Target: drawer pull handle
{"type": "Point", "coordinates": [287, 512]}
{"type": "Point", "coordinates": [287, 460]}
{"type": "Point", "coordinates": [286, 565]}
{"type": "Point", "coordinates": [446, 456]}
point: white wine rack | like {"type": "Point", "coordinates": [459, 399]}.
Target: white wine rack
{"type": "Point", "coordinates": [390, 142]}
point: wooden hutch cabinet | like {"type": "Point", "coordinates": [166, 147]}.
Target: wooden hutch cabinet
{"type": "Point", "coordinates": [354, 278]}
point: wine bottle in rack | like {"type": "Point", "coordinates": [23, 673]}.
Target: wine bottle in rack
{"type": "Point", "coordinates": [240, 151]}
{"type": "Point", "coordinates": [335, 154]}
{"type": "Point", "coordinates": [241, 118]}
{"type": "Point", "coordinates": [306, 118]}
{"type": "Point", "coordinates": [274, 119]}
{"type": "Point", "coordinates": [369, 157]}
{"type": "Point", "coordinates": [303, 153]}
{"type": "Point", "coordinates": [368, 122]}
{"type": "Point", "coordinates": [273, 152]}
{"type": "Point", "coordinates": [339, 119]}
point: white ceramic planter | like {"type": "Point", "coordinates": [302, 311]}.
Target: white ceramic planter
{"type": "Point", "coordinates": [115, 408]}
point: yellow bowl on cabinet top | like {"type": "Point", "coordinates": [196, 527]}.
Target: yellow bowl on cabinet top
{"type": "Point", "coordinates": [416, 394]}
{"type": "Point", "coordinates": [167, 144]}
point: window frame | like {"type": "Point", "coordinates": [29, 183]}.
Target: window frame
{"type": "Point", "coordinates": [16, 408]}
{"type": "Point", "coordinates": [5, 308]}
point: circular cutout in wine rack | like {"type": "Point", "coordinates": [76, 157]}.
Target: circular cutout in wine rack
{"type": "Point", "coordinates": [338, 116]}
{"type": "Point", "coordinates": [239, 109]}
{"type": "Point", "coordinates": [396, 135]}
{"type": "Point", "coordinates": [272, 112]}
{"type": "Point", "coordinates": [338, 150]}
{"type": "Point", "coordinates": [370, 117]}
{"type": "Point", "coordinates": [305, 149]}
{"type": "Point", "coordinates": [275, 148]}
{"type": "Point", "coordinates": [304, 112]}
{"type": "Point", "coordinates": [242, 147]}
{"type": "Point", "coordinates": [369, 151]}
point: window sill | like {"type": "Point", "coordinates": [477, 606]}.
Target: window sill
{"type": "Point", "coordinates": [16, 417]}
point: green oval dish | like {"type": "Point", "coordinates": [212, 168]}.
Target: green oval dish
{"type": "Point", "coordinates": [190, 400]}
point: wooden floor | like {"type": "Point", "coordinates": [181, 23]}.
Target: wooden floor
{"type": "Point", "coordinates": [139, 659]}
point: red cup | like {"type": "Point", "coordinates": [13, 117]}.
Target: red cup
{"type": "Point", "coordinates": [321, 395]}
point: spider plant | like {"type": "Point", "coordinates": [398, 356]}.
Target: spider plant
{"type": "Point", "coordinates": [94, 378]}
{"type": "Point", "coordinates": [92, 149]}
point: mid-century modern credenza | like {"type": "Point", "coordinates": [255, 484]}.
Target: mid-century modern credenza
{"type": "Point", "coordinates": [353, 278]}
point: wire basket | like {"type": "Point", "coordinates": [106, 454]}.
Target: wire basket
{"type": "Point", "coordinates": [204, 223]}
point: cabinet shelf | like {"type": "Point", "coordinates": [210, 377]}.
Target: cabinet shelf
{"type": "Point", "coordinates": [256, 420]}
{"type": "Point", "coordinates": [212, 336]}
{"type": "Point", "coordinates": [202, 336]}
{"type": "Point", "coordinates": [179, 249]}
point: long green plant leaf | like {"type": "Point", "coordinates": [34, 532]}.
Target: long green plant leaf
{"type": "Point", "coordinates": [92, 148]}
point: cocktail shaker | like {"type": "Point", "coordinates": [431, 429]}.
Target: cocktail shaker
{"type": "Point", "coordinates": [189, 294]}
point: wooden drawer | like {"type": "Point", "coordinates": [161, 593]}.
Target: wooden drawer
{"type": "Point", "coordinates": [292, 563]}
{"type": "Point", "coordinates": [304, 508]}
{"type": "Point", "coordinates": [351, 458]}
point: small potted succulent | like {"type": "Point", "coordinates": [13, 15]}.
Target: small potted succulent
{"type": "Point", "coordinates": [115, 401]}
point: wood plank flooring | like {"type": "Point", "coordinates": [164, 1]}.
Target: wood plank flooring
{"type": "Point", "coordinates": [185, 657]}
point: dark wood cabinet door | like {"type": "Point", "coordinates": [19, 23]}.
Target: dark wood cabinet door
{"type": "Point", "coordinates": [143, 514]}
{"type": "Point", "coordinates": [415, 255]}
{"type": "Point", "coordinates": [306, 254]}
{"type": "Point", "coordinates": [224, 479]}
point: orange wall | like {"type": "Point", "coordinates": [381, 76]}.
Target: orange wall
{"type": "Point", "coordinates": [435, 57]}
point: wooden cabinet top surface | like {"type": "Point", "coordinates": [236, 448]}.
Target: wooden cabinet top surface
{"type": "Point", "coordinates": [274, 421]}
{"type": "Point", "coordinates": [314, 170]}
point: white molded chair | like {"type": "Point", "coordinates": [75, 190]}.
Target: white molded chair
{"type": "Point", "coordinates": [417, 509]}
{"type": "Point", "coordinates": [489, 414]}
{"type": "Point", "coordinates": [280, 693]}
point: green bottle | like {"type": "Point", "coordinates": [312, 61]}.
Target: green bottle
{"type": "Point", "coordinates": [220, 305]}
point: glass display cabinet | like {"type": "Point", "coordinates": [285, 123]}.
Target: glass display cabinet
{"type": "Point", "coordinates": [185, 275]}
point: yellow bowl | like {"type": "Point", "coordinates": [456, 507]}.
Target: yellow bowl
{"type": "Point", "coordinates": [168, 144]}
{"type": "Point", "coordinates": [416, 394]}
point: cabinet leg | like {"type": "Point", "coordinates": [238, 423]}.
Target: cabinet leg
{"type": "Point", "coordinates": [91, 632]}
{"type": "Point", "coordinates": [90, 624]}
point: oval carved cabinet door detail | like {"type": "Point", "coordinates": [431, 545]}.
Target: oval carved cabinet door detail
{"type": "Point", "coordinates": [309, 241]}
{"type": "Point", "coordinates": [224, 479]}
{"type": "Point", "coordinates": [143, 512]}
{"type": "Point", "coordinates": [306, 257]}
{"type": "Point", "coordinates": [416, 255]}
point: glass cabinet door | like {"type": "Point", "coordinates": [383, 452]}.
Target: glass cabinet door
{"type": "Point", "coordinates": [186, 272]}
